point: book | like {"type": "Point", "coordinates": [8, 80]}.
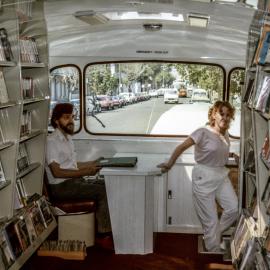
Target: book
{"type": "Point", "coordinates": [29, 50]}
{"type": "Point", "coordinates": [245, 230]}
{"type": "Point", "coordinates": [26, 123]}
{"type": "Point", "coordinates": [22, 232]}
{"type": "Point", "coordinates": [37, 219]}
{"type": "Point", "coordinates": [249, 90]}
{"type": "Point", "coordinates": [8, 257]}
{"type": "Point", "coordinates": [263, 94]}
{"type": "Point", "coordinates": [3, 88]}
{"type": "Point", "coordinates": [262, 46]}
{"type": "Point", "coordinates": [266, 194]}
{"type": "Point", "coordinates": [27, 87]}
{"type": "Point", "coordinates": [117, 162]}
{"type": "Point", "coordinates": [6, 44]}
{"type": "Point", "coordinates": [248, 256]}
{"type": "Point", "coordinates": [249, 164]}
{"type": "Point", "coordinates": [44, 208]}
{"type": "Point", "coordinates": [30, 226]}
{"type": "Point", "coordinates": [23, 160]}
{"type": "Point", "coordinates": [2, 174]}
{"type": "Point", "coordinates": [262, 56]}
{"type": "Point", "coordinates": [261, 261]}
{"type": "Point", "coordinates": [22, 196]}
{"type": "Point", "coordinates": [13, 238]}
{"type": "Point", "coordinates": [2, 265]}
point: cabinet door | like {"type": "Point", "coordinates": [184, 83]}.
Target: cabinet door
{"type": "Point", "coordinates": [181, 215]}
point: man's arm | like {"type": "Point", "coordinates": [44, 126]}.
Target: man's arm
{"type": "Point", "coordinates": [58, 172]}
{"type": "Point", "coordinates": [85, 164]}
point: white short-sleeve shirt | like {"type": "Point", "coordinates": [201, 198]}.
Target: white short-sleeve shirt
{"type": "Point", "coordinates": [211, 149]}
{"type": "Point", "coordinates": [60, 150]}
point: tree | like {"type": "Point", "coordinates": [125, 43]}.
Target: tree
{"type": "Point", "coordinates": [208, 77]}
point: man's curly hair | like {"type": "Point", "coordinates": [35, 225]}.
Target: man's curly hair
{"type": "Point", "coordinates": [59, 110]}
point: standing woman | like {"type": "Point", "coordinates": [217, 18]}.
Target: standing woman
{"type": "Point", "coordinates": [210, 181]}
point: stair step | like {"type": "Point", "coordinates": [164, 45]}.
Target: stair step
{"type": "Point", "coordinates": [227, 256]}
{"type": "Point", "coordinates": [202, 249]}
{"type": "Point", "coordinates": [226, 253]}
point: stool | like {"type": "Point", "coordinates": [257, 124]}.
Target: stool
{"type": "Point", "coordinates": [79, 221]}
{"type": "Point", "coordinates": [77, 226]}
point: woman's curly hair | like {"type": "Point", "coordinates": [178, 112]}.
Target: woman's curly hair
{"type": "Point", "coordinates": [217, 108]}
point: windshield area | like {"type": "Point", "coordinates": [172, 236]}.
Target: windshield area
{"type": "Point", "coordinates": [151, 98]}
{"type": "Point", "coordinates": [145, 98]}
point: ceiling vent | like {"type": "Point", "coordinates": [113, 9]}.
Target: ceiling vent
{"type": "Point", "coordinates": [198, 20]}
{"type": "Point", "coordinates": [91, 17]}
{"type": "Point", "coordinates": [152, 26]}
{"type": "Point", "coordinates": [141, 2]}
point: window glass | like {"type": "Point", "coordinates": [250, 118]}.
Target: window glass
{"type": "Point", "coordinates": [65, 87]}
{"type": "Point", "coordinates": [150, 98]}
{"type": "Point", "coordinates": [236, 80]}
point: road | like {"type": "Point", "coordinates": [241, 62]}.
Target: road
{"type": "Point", "coordinates": [155, 117]}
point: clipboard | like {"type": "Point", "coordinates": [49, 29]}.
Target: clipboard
{"type": "Point", "coordinates": [117, 162]}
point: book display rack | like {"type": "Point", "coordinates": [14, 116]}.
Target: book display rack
{"type": "Point", "coordinates": [24, 104]}
{"type": "Point", "coordinates": [249, 245]}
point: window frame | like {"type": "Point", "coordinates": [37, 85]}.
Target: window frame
{"type": "Point", "coordinates": [144, 61]}
{"type": "Point", "coordinates": [80, 91]}
{"type": "Point", "coordinates": [228, 91]}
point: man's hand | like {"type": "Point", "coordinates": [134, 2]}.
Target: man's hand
{"type": "Point", "coordinates": [94, 169]}
{"type": "Point", "coordinates": [164, 167]}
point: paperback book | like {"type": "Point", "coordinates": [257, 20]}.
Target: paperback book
{"type": "Point", "coordinates": [3, 88]}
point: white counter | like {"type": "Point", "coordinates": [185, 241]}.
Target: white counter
{"type": "Point", "coordinates": [130, 193]}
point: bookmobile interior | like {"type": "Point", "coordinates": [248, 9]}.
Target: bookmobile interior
{"type": "Point", "coordinates": [141, 75]}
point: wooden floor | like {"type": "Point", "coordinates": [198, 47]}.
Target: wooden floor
{"type": "Point", "coordinates": [172, 252]}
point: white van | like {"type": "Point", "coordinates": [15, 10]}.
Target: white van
{"type": "Point", "coordinates": [200, 95]}
{"type": "Point", "coordinates": [170, 95]}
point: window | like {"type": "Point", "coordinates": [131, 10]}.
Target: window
{"type": "Point", "coordinates": [236, 79]}
{"type": "Point", "coordinates": [150, 98]}
{"type": "Point", "coordinates": [65, 87]}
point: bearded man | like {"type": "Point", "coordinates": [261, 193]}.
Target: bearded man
{"type": "Point", "coordinates": [65, 174]}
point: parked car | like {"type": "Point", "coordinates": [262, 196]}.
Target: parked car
{"type": "Point", "coordinates": [170, 95]}
{"type": "Point", "coordinates": [126, 97]}
{"type": "Point", "coordinates": [116, 101]}
{"type": "Point", "coordinates": [153, 93]}
{"type": "Point", "coordinates": [105, 102]}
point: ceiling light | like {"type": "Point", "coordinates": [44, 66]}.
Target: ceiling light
{"type": "Point", "coordinates": [204, 1]}
{"type": "Point", "coordinates": [144, 16]}
{"type": "Point", "coordinates": [198, 20]}
{"type": "Point", "coordinates": [91, 17]}
{"type": "Point", "coordinates": [226, 1]}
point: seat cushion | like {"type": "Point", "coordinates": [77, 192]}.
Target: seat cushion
{"type": "Point", "coordinates": [74, 206]}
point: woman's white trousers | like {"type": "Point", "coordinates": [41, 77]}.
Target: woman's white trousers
{"type": "Point", "coordinates": [208, 185]}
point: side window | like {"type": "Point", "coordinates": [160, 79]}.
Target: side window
{"type": "Point", "coordinates": [150, 98]}
{"type": "Point", "coordinates": [65, 87]}
{"type": "Point", "coordinates": [236, 79]}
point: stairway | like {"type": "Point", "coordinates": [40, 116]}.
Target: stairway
{"type": "Point", "coordinates": [226, 253]}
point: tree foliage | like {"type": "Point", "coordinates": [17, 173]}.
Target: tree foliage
{"type": "Point", "coordinates": [117, 77]}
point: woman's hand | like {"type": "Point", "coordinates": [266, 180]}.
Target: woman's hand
{"type": "Point", "coordinates": [164, 167]}
{"type": "Point", "coordinates": [236, 158]}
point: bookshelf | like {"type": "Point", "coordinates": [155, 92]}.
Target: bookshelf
{"type": "Point", "coordinates": [24, 105]}
{"type": "Point", "coordinates": [248, 245]}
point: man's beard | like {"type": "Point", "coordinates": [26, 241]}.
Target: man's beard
{"type": "Point", "coordinates": [69, 128]}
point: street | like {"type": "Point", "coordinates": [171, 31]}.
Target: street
{"type": "Point", "coordinates": [155, 117]}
